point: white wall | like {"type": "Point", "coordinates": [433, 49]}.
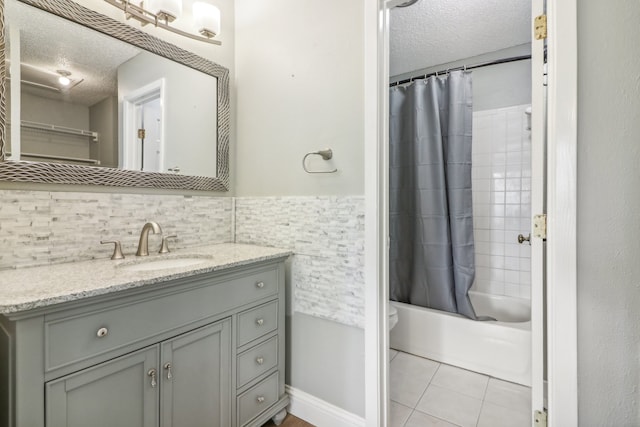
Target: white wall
{"type": "Point", "coordinates": [299, 84]}
{"type": "Point", "coordinates": [103, 118]}
{"type": "Point", "coordinates": [190, 101]}
{"type": "Point", "coordinates": [608, 213]}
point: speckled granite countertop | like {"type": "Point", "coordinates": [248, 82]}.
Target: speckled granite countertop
{"type": "Point", "coordinates": [29, 288]}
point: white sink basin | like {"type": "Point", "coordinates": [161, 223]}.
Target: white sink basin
{"type": "Point", "coordinates": [162, 264]}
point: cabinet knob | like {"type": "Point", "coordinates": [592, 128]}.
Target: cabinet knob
{"type": "Point", "coordinates": [102, 332]}
{"type": "Point", "coordinates": [260, 360]}
{"type": "Point", "coordinates": [167, 367]}
{"type": "Point", "coordinates": [260, 322]}
{"type": "Point", "coordinates": [152, 373]}
{"type": "Point", "coordinates": [260, 399]}
{"type": "Point", "coordinates": [260, 285]}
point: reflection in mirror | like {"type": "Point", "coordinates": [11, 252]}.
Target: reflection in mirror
{"type": "Point", "coordinates": [85, 98]}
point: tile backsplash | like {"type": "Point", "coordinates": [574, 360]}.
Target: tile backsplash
{"type": "Point", "coordinates": [40, 227]}
{"type": "Point", "coordinates": [327, 236]}
{"type": "Point", "coordinates": [501, 175]}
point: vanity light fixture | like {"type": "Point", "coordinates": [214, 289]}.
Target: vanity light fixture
{"type": "Point", "coordinates": [163, 12]}
{"type": "Point", "coordinates": [207, 19]}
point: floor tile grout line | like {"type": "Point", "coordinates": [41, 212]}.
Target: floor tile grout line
{"type": "Point", "coordinates": [428, 384]}
{"type": "Point", "coordinates": [434, 416]}
{"type": "Point", "coordinates": [482, 400]}
{"type": "Point", "coordinates": [408, 418]}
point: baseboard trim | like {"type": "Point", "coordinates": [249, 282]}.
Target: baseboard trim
{"type": "Point", "coordinates": [318, 412]}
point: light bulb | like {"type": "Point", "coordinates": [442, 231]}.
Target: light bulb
{"type": "Point", "coordinates": [207, 19]}
{"type": "Point", "coordinates": [165, 9]}
{"type": "Point", "coordinates": [63, 78]}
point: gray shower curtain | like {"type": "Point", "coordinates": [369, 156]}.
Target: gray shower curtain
{"type": "Point", "coordinates": [431, 219]}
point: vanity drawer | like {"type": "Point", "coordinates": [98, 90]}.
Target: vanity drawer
{"type": "Point", "coordinates": [86, 334]}
{"type": "Point", "coordinates": [257, 322]}
{"type": "Point", "coordinates": [257, 360]}
{"type": "Point", "coordinates": [258, 398]}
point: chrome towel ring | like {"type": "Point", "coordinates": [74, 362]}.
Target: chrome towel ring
{"type": "Point", "coordinates": [326, 154]}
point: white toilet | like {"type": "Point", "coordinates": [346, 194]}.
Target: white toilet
{"type": "Point", "coordinates": [393, 316]}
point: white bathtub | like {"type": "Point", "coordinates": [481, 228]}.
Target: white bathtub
{"type": "Point", "coordinates": [501, 349]}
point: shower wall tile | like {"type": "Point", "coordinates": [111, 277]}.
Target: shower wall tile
{"type": "Point", "coordinates": [327, 236]}
{"type": "Point", "coordinates": [501, 174]}
{"type": "Point", "coordinates": [39, 227]}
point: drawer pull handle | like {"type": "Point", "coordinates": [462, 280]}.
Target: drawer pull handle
{"type": "Point", "coordinates": [260, 322]}
{"type": "Point", "coordinates": [260, 360]}
{"type": "Point", "coordinates": [102, 332]}
{"type": "Point", "coordinates": [260, 285]}
{"type": "Point", "coordinates": [260, 399]}
{"type": "Point", "coordinates": [167, 367]}
{"type": "Point", "coordinates": [152, 373]}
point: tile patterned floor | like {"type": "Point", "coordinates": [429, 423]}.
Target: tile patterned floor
{"type": "Point", "coordinates": [425, 393]}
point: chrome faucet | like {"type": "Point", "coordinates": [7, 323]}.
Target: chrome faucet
{"type": "Point", "coordinates": [143, 244]}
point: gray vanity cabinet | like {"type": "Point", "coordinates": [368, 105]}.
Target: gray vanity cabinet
{"type": "Point", "coordinates": [203, 350]}
{"type": "Point", "coordinates": [189, 380]}
{"type": "Point", "coordinates": [112, 393]}
{"type": "Point", "coordinates": [195, 382]}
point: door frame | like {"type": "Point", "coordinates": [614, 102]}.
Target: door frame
{"type": "Point", "coordinates": [129, 156]}
{"type": "Point", "coordinates": [561, 211]}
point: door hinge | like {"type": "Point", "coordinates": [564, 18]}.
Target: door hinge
{"type": "Point", "coordinates": [141, 133]}
{"type": "Point", "coordinates": [540, 226]}
{"type": "Point", "coordinates": [540, 27]}
{"type": "Point", "coordinates": [540, 418]}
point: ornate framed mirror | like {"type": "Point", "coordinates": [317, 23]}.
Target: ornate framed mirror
{"type": "Point", "coordinates": [55, 134]}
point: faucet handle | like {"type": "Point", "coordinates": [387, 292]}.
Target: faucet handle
{"type": "Point", "coordinates": [117, 249]}
{"type": "Point", "coordinates": [164, 248]}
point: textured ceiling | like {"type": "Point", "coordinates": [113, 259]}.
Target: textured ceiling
{"type": "Point", "coordinates": [433, 32]}
{"type": "Point", "coordinates": [49, 43]}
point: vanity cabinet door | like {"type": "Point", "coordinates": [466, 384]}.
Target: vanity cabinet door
{"type": "Point", "coordinates": [196, 378]}
{"type": "Point", "coordinates": [120, 392]}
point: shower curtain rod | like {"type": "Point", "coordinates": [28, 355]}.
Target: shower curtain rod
{"type": "Point", "coordinates": [462, 67]}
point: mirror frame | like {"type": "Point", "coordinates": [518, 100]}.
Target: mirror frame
{"type": "Point", "coordinates": [60, 173]}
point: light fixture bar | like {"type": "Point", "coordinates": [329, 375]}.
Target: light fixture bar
{"type": "Point", "coordinates": [145, 17]}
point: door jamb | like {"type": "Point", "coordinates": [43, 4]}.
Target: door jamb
{"type": "Point", "coordinates": [561, 199]}
{"type": "Point", "coordinates": [128, 154]}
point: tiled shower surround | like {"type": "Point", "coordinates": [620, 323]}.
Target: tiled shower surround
{"type": "Point", "coordinates": [41, 227]}
{"type": "Point", "coordinates": [501, 174]}
{"type": "Point", "coordinates": [327, 236]}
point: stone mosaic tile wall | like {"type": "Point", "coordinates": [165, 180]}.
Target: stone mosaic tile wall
{"type": "Point", "coordinates": [40, 227]}
{"type": "Point", "coordinates": [327, 236]}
